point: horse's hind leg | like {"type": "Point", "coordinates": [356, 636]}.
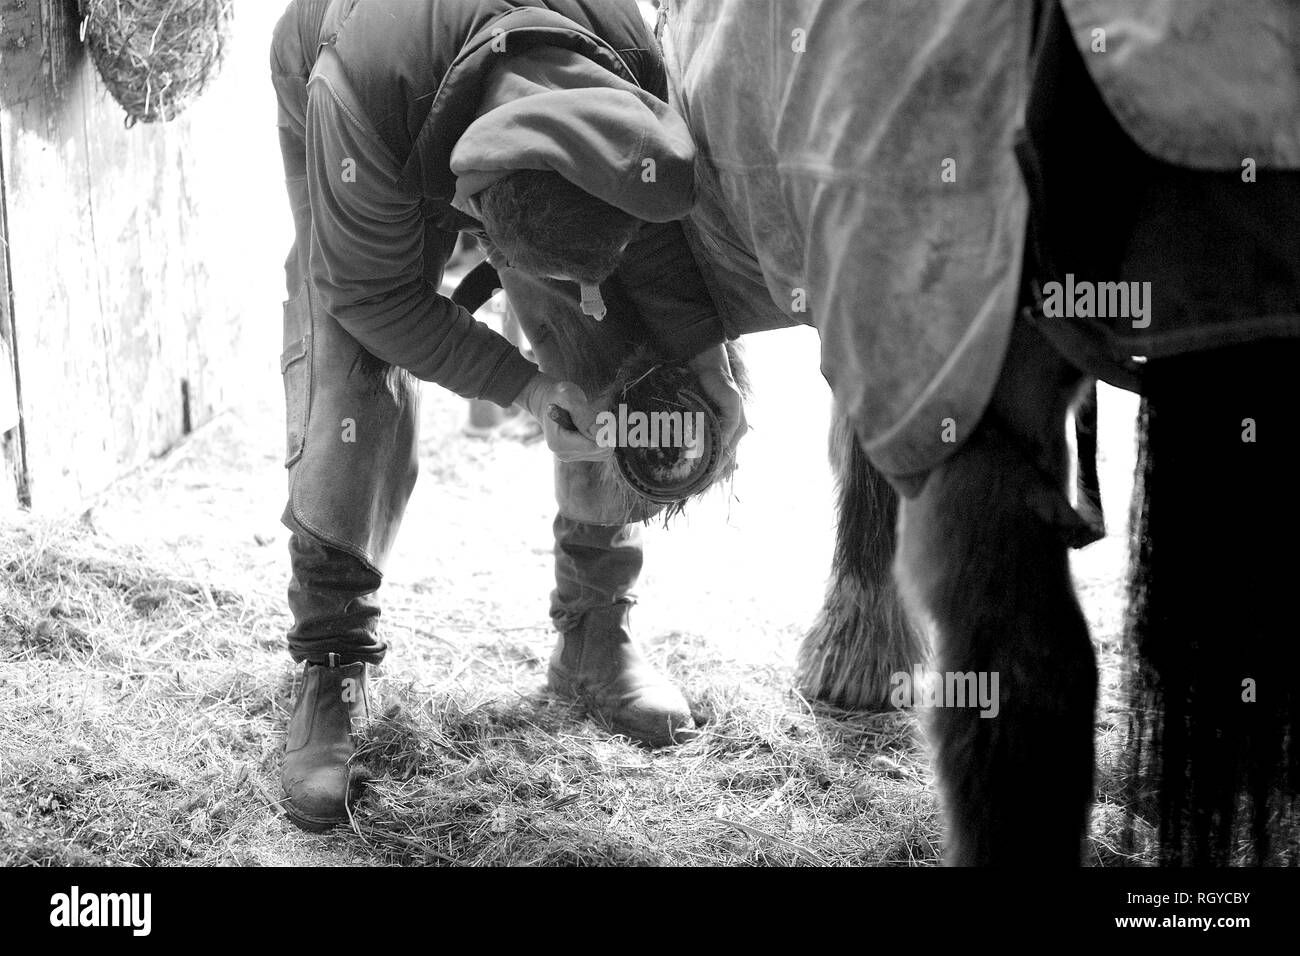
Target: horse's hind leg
{"type": "Point", "coordinates": [982, 553]}
{"type": "Point", "coordinates": [862, 635]}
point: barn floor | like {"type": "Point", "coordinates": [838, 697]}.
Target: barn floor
{"type": "Point", "coordinates": [140, 652]}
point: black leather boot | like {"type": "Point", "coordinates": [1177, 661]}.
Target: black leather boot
{"type": "Point", "coordinates": [597, 663]}
{"type": "Point", "coordinates": [316, 776]}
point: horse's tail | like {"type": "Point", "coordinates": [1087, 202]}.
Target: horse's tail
{"type": "Point", "coordinates": [863, 634]}
{"type": "Point", "coordinates": [1212, 651]}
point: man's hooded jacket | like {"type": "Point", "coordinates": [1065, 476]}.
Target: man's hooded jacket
{"type": "Point", "coordinates": [414, 106]}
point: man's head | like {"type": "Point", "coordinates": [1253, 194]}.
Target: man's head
{"type": "Point", "coordinates": [545, 225]}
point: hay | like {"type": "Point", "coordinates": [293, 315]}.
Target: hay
{"type": "Point", "coordinates": [147, 693]}
{"type": "Point", "coordinates": [145, 726]}
{"type": "Point", "coordinates": [155, 56]}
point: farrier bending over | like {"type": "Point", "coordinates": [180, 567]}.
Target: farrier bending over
{"type": "Point", "coordinates": [542, 129]}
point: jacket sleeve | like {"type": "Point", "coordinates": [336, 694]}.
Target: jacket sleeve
{"type": "Point", "coordinates": [659, 275]}
{"type": "Point", "coordinates": [367, 263]}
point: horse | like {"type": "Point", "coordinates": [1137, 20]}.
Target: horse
{"type": "Point", "coordinates": [967, 547]}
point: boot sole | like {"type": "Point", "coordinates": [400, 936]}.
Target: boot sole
{"type": "Point", "coordinates": [312, 824]}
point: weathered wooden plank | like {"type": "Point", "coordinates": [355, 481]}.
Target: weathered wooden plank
{"type": "Point", "coordinates": [117, 313]}
{"type": "Point", "coordinates": [13, 467]}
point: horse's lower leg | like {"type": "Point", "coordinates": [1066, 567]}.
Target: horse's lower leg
{"type": "Point", "coordinates": [1212, 613]}
{"type": "Point", "coordinates": [976, 555]}
{"type": "Point", "coordinates": [863, 634]}
{"type": "Point", "coordinates": [982, 552]}
{"type": "Point", "coordinates": [1087, 481]}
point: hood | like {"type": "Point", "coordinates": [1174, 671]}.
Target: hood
{"type": "Point", "coordinates": [554, 109]}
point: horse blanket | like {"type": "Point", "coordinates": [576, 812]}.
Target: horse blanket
{"type": "Point", "coordinates": [855, 171]}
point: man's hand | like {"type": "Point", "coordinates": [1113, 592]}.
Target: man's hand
{"type": "Point", "coordinates": [544, 397]}
{"type": "Point", "coordinates": [713, 369]}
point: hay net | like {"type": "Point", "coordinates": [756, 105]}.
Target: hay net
{"type": "Point", "coordinates": [156, 56]}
